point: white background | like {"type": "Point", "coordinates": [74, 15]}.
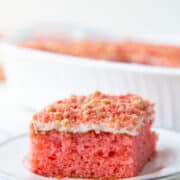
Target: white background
{"type": "Point", "coordinates": [111, 15]}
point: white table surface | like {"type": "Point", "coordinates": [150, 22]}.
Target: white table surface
{"type": "Point", "coordinates": [14, 119]}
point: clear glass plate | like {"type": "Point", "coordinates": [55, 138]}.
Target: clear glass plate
{"type": "Point", "coordinates": [3, 135]}
{"type": "Point", "coordinates": [166, 164]}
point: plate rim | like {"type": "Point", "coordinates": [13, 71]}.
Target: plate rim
{"type": "Point", "coordinates": [5, 174]}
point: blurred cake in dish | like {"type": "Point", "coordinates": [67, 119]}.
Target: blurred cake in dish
{"type": "Point", "coordinates": [1, 67]}
{"type": "Point", "coordinates": [95, 136]}
{"type": "Point", "coordinates": [128, 51]}
{"type": "Point", "coordinates": [1, 73]}
{"type": "Point", "coordinates": [89, 48]}
{"type": "Point", "coordinates": [152, 54]}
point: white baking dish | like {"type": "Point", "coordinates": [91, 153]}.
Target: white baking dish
{"type": "Point", "coordinates": [37, 78]}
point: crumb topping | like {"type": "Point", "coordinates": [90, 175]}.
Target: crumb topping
{"type": "Point", "coordinates": [115, 112]}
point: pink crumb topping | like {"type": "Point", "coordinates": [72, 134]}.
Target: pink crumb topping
{"type": "Point", "coordinates": [115, 112]}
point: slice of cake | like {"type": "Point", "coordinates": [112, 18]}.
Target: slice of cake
{"type": "Point", "coordinates": [98, 136]}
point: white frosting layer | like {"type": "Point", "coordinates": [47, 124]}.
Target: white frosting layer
{"type": "Point", "coordinates": [82, 128]}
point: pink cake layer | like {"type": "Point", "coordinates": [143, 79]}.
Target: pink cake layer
{"type": "Point", "coordinates": [91, 155]}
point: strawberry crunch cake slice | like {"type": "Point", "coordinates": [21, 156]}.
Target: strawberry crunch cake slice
{"type": "Point", "coordinates": [97, 136]}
